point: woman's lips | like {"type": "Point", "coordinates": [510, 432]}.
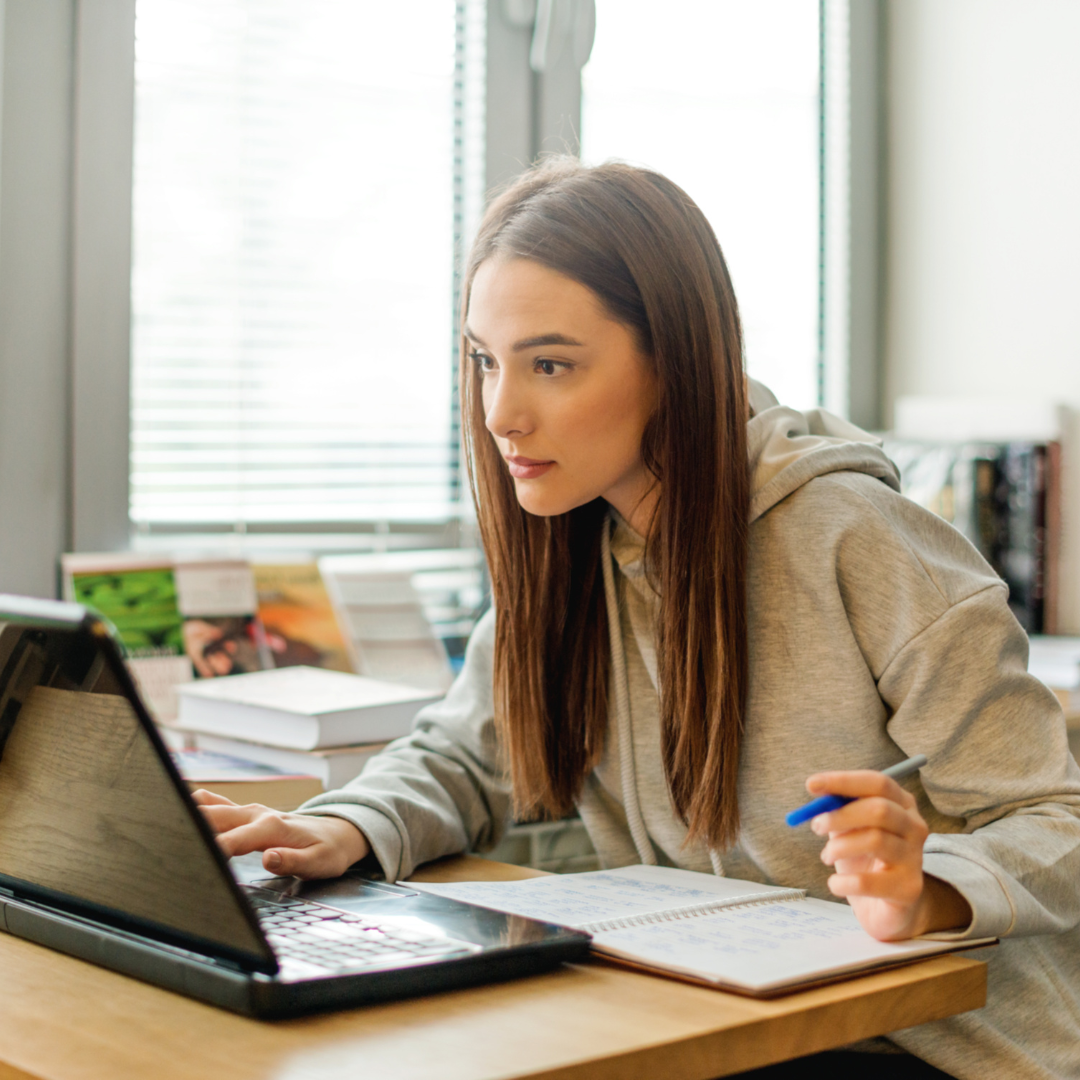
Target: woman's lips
{"type": "Point", "coordinates": [523, 468]}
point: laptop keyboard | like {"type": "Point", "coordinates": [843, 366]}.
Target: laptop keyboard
{"type": "Point", "coordinates": [312, 941]}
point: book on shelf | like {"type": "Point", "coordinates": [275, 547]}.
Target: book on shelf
{"type": "Point", "coordinates": [334, 767]}
{"type": "Point", "coordinates": [1006, 499]}
{"type": "Point", "coordinates": [177, 620]}
{"type": "Point", "coordinates": [245, 781]}
{"type": "Point", "coordinates": [303, 625]}
{"type": "Point", "coordinates": [759, 940]}
{"type": "Point", "coordinates": [200, 618]}
{"type": "Point", "coordinates": [391, 631]}
{"type": "Point", "coordinates": [301, 708]}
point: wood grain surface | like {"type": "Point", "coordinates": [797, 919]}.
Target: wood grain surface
{"type": "Point", "coordinates": [88, 807]}
{"type": "Point", "coordinates": [62, 1019]}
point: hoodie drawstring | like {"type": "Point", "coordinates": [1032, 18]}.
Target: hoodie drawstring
{"type": "Point", "coordinates": [622, 709]}
{"type": "Point", "coordinates": [627, 773]}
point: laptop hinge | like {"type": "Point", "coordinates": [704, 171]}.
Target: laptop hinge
{"type": "Point", "coordinates": [232, 965]}
{"type": "Point", "coordinates": [143, 940]}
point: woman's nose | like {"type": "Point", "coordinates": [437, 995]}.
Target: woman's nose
{"type": "Point", "coordinates": [506, 412]}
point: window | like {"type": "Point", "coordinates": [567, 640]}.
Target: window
{"type": "Point", "coordinates": [300, 183]}
{"type": "Point", "coordinates": [723, 98]}
{"type": "Point", "coordinates": [243, 403]}
{"type": "Point", "coordinates": [307, 177]}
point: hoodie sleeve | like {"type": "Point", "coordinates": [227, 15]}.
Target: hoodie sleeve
{"type": "Point", "coordinates": [439, 791]}
{"type": "Point", "coordinates": [999, 767]}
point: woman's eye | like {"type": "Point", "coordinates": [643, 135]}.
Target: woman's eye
{"type": "Point", "coordinates": [549, 367]}
{"type": "Point", "coordinates": [482, 362]}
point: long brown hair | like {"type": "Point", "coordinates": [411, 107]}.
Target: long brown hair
{"type": "Point", "coordinates": [644, 248]}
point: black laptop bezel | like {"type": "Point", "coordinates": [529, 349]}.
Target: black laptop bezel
{"type": "Point", "coordinates": [76, 619]}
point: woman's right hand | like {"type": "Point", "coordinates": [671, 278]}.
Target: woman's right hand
{"type": "Point", "coordinates": [300, 845]}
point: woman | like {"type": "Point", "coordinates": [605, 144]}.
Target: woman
{"type": "Point", "coordinates": [678, 639]}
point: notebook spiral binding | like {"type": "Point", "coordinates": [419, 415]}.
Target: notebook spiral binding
{"type": "Point", "coordinates": [690, 911]}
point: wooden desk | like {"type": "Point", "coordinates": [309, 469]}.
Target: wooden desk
{"type": "Point", "coordinates": [62, 1019]}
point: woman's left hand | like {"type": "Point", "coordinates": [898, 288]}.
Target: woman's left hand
{"type": "Point", "coordinates": [876, 848]}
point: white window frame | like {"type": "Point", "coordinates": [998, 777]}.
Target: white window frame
{"type": "Point", "coordinates": [102, 131]}
{"type": "Point", "coordinates": [851, 146]}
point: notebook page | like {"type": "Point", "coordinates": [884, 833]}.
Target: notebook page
{"type": "Point", "coordinates": [583, 901]}
{"type": "Point", "coordinates": [762, 947]}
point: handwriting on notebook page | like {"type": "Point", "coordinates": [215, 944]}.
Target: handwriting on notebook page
{"type": "Point", "coordinates": [582, 899]}
{"type": "Point", "coordinates": [759, 943]}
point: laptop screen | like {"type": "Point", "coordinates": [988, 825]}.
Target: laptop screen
{"type": "Point", "coordinates": [88, 809]}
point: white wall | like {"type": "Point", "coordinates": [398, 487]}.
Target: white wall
{"type": "Point", "coordinates": [982, 265]}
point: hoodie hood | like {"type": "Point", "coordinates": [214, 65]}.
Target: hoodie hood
{"type": "Point", "coordinates": [788, 448]}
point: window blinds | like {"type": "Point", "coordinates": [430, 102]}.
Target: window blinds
{"type": "Point", "coordinates": [295, 215]}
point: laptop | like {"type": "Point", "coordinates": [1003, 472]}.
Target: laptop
{"type": "Point", "coordinates": [103, 855]}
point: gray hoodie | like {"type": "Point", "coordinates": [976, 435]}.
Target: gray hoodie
{"type": "Point", "coordinates": [876, 632]}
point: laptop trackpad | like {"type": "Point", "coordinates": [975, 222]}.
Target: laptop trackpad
{"type": "Point", "coordinates": [351, 889]}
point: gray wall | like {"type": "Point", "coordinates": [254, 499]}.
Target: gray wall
{"type": "Point", "coordinates": [35, 197]}
{"type": "Point", "coordinates": [66, 94]}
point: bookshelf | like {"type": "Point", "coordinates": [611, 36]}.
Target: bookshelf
{"type": "Point", "coordinates": [1006, 473]}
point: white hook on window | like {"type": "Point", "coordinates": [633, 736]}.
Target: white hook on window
{"type": "Point", "coordinates": [557, 24]}
{"type": "Point", "coordinates": [520, 14]}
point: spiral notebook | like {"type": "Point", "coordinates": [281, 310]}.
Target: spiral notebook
{"type": "Point", "coordinates": [755, 939]}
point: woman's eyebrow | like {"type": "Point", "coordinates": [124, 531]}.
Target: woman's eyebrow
{"type": "Point", "coordinates": [544, 339]}
{"type": "Point", "coordinates": [530, 342]}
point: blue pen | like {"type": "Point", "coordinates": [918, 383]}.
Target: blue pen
{"type": "Point", "coordinates": [826, 803]}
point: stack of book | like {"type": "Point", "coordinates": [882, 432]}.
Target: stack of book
{"type": "Point", "coordinates": [302, 721]}
{"type": "Point", "coordinates": [244, 781]}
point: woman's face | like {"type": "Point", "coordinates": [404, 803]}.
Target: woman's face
{"type": "Point", "coordinates": [566, 391]}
